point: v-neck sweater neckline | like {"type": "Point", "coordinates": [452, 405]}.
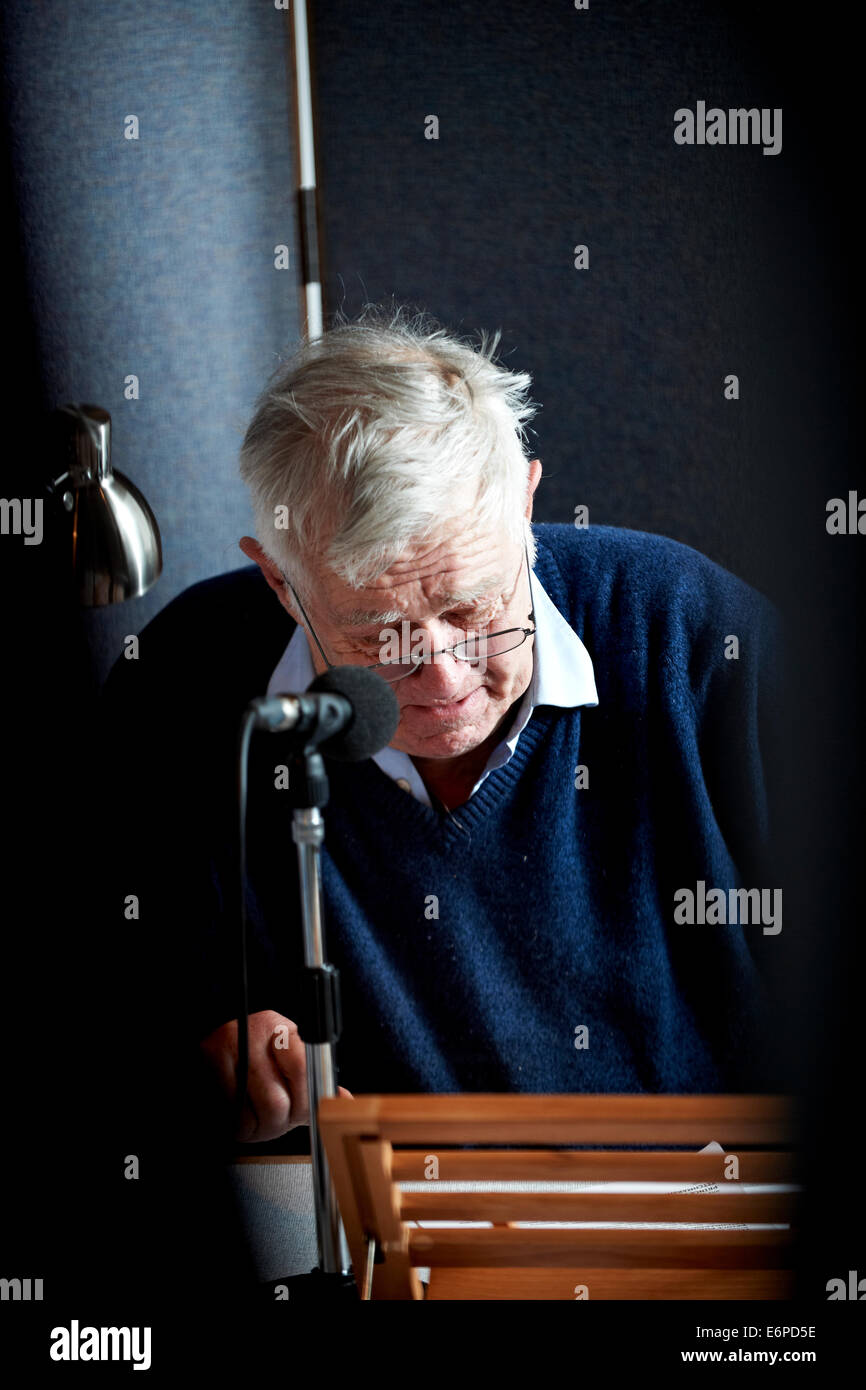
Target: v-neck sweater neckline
{"type": "Point", "coordinates": [453, 825]}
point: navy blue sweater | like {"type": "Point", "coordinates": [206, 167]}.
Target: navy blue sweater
{"type": "Point", "coordinates": [555, 904]}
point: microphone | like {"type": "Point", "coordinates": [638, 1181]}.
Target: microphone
{"type": "Point", "coordinates": [348, 712]}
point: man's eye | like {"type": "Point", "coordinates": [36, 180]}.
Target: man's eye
{"type": "Point", "coordinates": [466, 622]}
{"type": "Point", "coordinates": [476, 622]}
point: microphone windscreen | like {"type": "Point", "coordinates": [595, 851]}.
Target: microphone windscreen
{"type": "Point", "coordinates": [376, 712]}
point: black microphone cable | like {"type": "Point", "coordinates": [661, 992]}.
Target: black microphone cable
{"type": "Point", "coordinates": [248, 724]}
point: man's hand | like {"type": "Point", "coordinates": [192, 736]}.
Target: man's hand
{"type": "Point", "coordinates": [277, 1084]}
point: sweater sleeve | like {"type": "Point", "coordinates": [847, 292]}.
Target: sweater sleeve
{"type": "Point", "coordinates": [738, 684]}
{"type": "Point", "coordinates": [734, 660]}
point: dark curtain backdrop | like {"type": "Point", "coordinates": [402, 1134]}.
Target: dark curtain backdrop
{"type": "Point", "coordinates": [556, 129]}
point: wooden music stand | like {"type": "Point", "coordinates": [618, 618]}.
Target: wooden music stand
{"type": "Point", "coordinates": [504, 1261]}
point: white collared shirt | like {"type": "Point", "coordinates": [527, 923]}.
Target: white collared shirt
{"type": "Point", "coordinates": [562, 674]}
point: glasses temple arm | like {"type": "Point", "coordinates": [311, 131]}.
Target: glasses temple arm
{"type": "Point", "coordinates": [307, 621]}
{"type": "Point", "coordinates": [529, 577]}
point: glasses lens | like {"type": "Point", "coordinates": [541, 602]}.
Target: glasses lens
{"type": "Point", "coordinates": [395, 670]}
{"type": "Point", "coordinates": [474, 649]}
{"type": "Point", "coordinates": [496, 644]}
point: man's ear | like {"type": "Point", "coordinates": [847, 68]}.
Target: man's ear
{"type": "Point", "coordinates": [254, 552]}
{"type": "Point", "coordinates": [532, 483]}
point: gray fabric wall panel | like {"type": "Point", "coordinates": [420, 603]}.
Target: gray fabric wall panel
{"type": "Point", "coordinates": [156, 256]}
{"type": "Point", "coordinates": [556, 128]}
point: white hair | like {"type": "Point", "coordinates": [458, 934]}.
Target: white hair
{"type": "Point", "coordinates": [382, 433]}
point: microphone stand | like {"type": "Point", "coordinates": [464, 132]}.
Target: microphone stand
{"type": "Point", "coordinates": [319, 1021]}
{"type": "Point", "coordinates": [317, 720]}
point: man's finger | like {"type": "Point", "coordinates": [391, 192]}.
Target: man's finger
{"type": "Point", "coordinates": [290, 1063]}
{"type": "Point", "coordinates": [286, 1046]}
{"type": "Point", "coordinates": [271, 1100]}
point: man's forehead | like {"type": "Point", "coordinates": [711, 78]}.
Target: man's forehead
{"type": "Point", "coordinates": [390, 602]}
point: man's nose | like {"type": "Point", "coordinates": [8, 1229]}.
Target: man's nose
{"type": "Point", "coordinates": [442, 676]}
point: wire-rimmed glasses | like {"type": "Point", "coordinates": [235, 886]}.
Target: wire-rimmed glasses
{"type": "Point", "coordinates": [476, 650]}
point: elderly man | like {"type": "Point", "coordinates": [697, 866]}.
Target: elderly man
{"type": "Point", "coordinates": [580, 751]}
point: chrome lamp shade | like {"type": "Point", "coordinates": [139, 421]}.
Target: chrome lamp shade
{"type": "Point", "coordinates": [116, 547]}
